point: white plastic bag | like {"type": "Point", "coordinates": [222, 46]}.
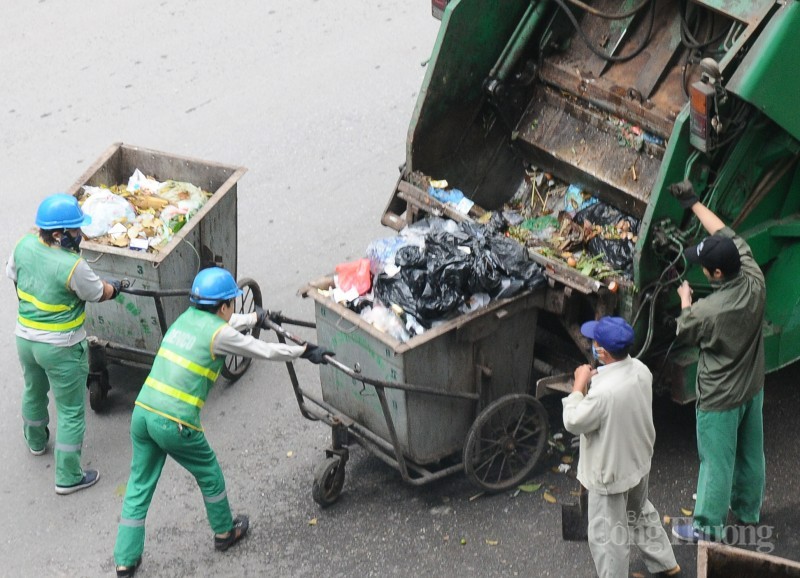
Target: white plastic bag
{"type": "Point", "coordinates": [106, 209]}
{"type": "Point", "coordinates": [139, 182]}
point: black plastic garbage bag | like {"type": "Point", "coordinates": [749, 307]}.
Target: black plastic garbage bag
{"type": "Point", "coordinates": [617, 252]}
{"type": "Point", "coordinates": [602, 213]}
{"type": "Point", "coordinates": [457, 262]}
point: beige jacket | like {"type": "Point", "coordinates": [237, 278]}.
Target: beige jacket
{"type": "Point", "coordinates": [615, 422]}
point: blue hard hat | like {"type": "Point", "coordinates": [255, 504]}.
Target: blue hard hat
{"type": "Point", "coordinates": [212, 286]}
{"type": "Point", "coordinates": [61, 211]}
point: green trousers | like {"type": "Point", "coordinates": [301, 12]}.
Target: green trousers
{"type": "Point", "coordinates": [154, 438]}
{"type": "Point", "coordinates": [732, 469]}
{"type": "Point", "coordinates": [63, 370]}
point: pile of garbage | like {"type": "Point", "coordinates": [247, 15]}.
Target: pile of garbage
{"type": "Point", "coordinates": [432, 271]}
{"type": "Point", "coordinates": [439, 268]}
{"type": "Point", "coordinates": [558, 220]}
{"type": "Point", "coordinates": [141, 215]}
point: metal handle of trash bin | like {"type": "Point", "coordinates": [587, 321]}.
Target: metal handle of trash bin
{"type": "Point", "coordinates": [157, 292]}
{"type": "Point", "coordinates": [356, 375]}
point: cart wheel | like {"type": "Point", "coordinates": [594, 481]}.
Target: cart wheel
{"type": "Point", "coordinates": [505, 442]}
{"type": "Point", "coordinates": [236, 365]}
{"type": "Point", "coordinates": [328, 481]}
{"type": "Point", "coordinates": [98, 390]}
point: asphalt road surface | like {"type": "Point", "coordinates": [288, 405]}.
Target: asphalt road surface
{"type": "Point", "coordinates": [314, 98]}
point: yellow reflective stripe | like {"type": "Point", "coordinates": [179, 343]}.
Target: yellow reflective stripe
{"type": "Point", "coordinates": [169, 417]}
{"type": "Point", "coordinates": [211, 343]}
{"type": "Point", "coordinates": [52, 308]}
{"type": "Point", "coordinates": [71, 271]}
{"type": "Point", "coordinates": [187, 364]}
{"type": "Point", "coordinates": [174, 392]}
{"type": "Point", "coordinates": [53, 326]}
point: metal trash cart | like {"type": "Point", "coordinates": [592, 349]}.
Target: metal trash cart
{"type": "Point", "coordinates": [452, 399]}
{"type": "Point", "coordinates": [129, 330]}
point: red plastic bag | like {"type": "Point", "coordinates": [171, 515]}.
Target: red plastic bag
{"type": "Point", "coordinates": [355, 274]}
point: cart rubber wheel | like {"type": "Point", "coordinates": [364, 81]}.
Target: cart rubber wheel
{"type": "Point", "coordinates": [505, 442]}
{"type": "Point", "coordinates": [236, 365]}
{"type": "Point", "coordinates": [328, 481]}
{"type": "Point", "coordinates": [97, 392]}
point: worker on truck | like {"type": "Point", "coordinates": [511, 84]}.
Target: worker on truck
{"type": "Point", "coordinates": [726, 326]}
{"type": "Point", "coordinates": [166, 417]}
{"type": "Point", "coordinates": [53, 285]}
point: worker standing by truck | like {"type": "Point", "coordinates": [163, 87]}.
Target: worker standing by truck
{"type": "Point", "coordinates": [166, 417]}
{"type": "Point", "coordinates": [726, 326]}
{"type": "Point", "coordinates": [53, 285]}
{"type": "Point", "coordinates": [615, 421]}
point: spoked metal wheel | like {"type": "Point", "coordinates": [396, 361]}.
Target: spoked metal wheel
{"type": "Point", "coordinates": [236, 365]}
{"type": "Point", "coordinates": [505, 442]}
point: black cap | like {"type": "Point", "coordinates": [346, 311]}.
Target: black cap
{"type": "Point", "coordinates": [716, 252]}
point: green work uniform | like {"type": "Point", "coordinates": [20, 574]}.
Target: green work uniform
{"type": "Point", "coordinates": [726, 326]}
{"type": "Point", "coordinates": [48, 306]}
{"type": "Point", "coordinates": [166, 422]}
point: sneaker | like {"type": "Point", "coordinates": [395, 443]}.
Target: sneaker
{"type": "Point", "coordinates": [89, 479]}
{"type": "Point", "coordinates": [128, 571]}
{"type": "Point", "coordinates": [239, 531]}
{"type": "Point", "coordinates": [688, 533]}
{"type": "Point", "coordinates": [44, 447]}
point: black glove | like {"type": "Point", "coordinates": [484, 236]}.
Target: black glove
{"type": "Point", "coordinates": [316, 354]}
{"type": "Point", "coordinates": [684, 192]}
{"type": "Point", "coordinates": [264, 314]}
{"type": "Point", "coordinates": [117, 285]}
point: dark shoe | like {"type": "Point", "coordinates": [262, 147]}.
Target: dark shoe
{"type": "Point", "coordinates": [89, 479]}
{"type": "Point", "coordinates": [128, 571]}
{"type": "Point", "coordinates": [688, 533]}
{"type": "Point", "coordinates": [239, 531]}
{"type": "Point", "coordinates": [44, 447]}
{"type": "Point", "coordinates": [676, 571]}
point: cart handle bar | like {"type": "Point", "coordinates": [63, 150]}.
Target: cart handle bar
{"type": "Point", "coordinates": [157, 293]}
{"type": "Point", "coordinates": [330, 360]}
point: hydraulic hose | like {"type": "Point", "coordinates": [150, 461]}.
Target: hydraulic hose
{"type": "Point", "coordinates": [600, 53]}
{"type": "Point", "coordinates": [606, 15]}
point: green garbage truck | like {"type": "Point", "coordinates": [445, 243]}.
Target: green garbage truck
{"type": "Point", "coordinates": [619, 99]}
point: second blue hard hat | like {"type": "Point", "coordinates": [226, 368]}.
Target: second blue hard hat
{"type": "Point", "coordinates": [213, 285]}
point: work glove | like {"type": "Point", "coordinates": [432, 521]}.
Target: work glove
{"type": "Point", "coordinates": [117, 285]}
{"type": "Point", "coordinates": [684, 192]}
{"type": "Point", "coordinates": [316, 354]}
{"type": "Point", "coordinates": [264, 314]}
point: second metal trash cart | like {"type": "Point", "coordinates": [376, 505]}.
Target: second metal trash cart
{"type": "Point", "coordinates": [451, 399]}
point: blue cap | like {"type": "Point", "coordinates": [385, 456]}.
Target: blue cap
{"type": "Point", "coordinates": [611, 333]}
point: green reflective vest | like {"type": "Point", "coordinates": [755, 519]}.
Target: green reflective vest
{"type": "Point", "coordinates": [184, 370]}
{"type": "Point", "coordinates": [43, 273]}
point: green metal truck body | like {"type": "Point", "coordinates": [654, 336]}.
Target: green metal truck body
{"type": "Point", "coordinates": [516, 83]}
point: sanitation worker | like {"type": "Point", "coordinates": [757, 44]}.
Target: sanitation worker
{"type": "Point", "coordinates": [615, 421]}
{"type": "Point", "coordinates": [53, 285]}
{"type": "Point", "coordinates": [726, 326]}
{"type": "Point", "coordinates": [166, 416]}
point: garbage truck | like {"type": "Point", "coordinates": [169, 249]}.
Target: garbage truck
{"type": "Point", "coordinates": [619, 99]}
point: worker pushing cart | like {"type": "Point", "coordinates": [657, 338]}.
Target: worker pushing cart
{"type": "Point", "coordinates": [53, 285]}
{"type": "Point", "coordinates": [166, 417]}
